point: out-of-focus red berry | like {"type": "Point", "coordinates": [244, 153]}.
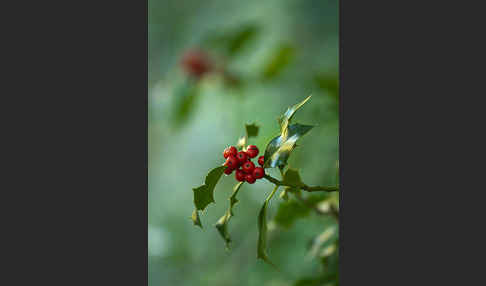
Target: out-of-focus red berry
{"type": "Point", "coordinates": [261, 161]}
{"type": "Point", "coordinates": [231, 162]}
{"type": "Point", "coordinates": [248, 167]}
{"type": "Point", "coordinates": [240, 175]}
{"type": "Point", "coordinates": [250, 179]}
{"type": "Point", "coordinates": [252, 151]}
{"type": "Point", "coordinates": [242, 157]}
{"type": "Point", "coordinates": [196, 62]}
{"type": "Point", "coordinates": [258, 172]}
{"type": "Point", "coordinates": [230, 151]}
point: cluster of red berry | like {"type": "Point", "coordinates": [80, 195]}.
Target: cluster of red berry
{"type": "Point", "coordinates": [240, 161]}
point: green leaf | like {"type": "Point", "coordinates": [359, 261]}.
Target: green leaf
{"type": "Point", "coordinates": [195, 218]}
{"type": "Point", "coordinates": [262, 230]}
{"type": "Point", "coordinates": [231, 42]}
{"type": "Point", "coordinates": [204, 195]}
{"type": "Point", "coordinates": [290, 211]}
{"type": "Point", "coordinates": [285, 119]}
{"type": "Point", "coordinates": [222, 224]}
{"type": "Point", "coordinates": [329, 83]}
{"type": "Point", "coordinates": [184, 101]}
{"type": "Point", "coordinates": [292, 177]}
{"type": "Point", "coordinates": [237, 42]}
{"type": "Point", "coordinates": [279, 148]}
{"type": "Point", "coordinates": [281, 58]}
{"type": "Point", "coordinates": [251, 130]}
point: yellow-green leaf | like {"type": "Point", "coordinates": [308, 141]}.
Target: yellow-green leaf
{"type": "Point", "coordinates": [195, 218]}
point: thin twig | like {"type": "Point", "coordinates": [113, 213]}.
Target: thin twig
{"type": "Point", "coordinates": [303, 186]}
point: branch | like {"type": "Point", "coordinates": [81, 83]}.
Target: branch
{"type": "Point", "coordinates": [303, 187]}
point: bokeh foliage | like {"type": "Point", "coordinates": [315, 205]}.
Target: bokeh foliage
{"type": "Point", "coordinates": [276, 53]}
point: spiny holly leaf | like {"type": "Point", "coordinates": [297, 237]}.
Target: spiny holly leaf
{"type": "Point", "coordinates": [204, 195]}
{"type": "Point", "coordinates": [292, 177]}
{"type": "Point", "coordinates": [262, 235]}
{"type": "Point", "coordinates": [262, 230]}
{"type": "Point", "coordinates": [195, 218]}
{"type": "Point", "coordinates": [279, 148]}
{"type": "Point", "coordinates": [222, 224]}
{"type": "Point", "coordinates": [285, 119]}
{"type": "Point", "coordinates": [251, 130]}
{"type": "Point", "coordinates": [288, 212]}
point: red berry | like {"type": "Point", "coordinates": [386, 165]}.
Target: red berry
{"type": "Point", "coordinates": [231, 162]}
{"type": "Point", "coordinates": [242, 157]}
{"type": "Point", "coordinates": [248, 167]}
{"type": "Point", "coordinates": [250, 179]}
{"type": "Point", "coordinates": [252, 151]}
{"type": "Point", "coordinates": [261, 160]}
{"type": "Point", "coordinates": [196, 63]}
{"type": "Point", "coordinates": [258, 172]}
{"type": "Point", "coordinates": [230, 151]}
{"type": "Point", "coordinates": [228, 171]}
{"type": "Point", "coordinates": [240, 175]}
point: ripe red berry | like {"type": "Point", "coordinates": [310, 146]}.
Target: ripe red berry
{"type": "Point", "coordinates": [242, 157]}
{"type": "Point", "coordinates": [258, 172]}
{"type": "Point", "coordinates": [240, 175]}
{"type": "Point", "coordinates": [252, 151]}
{"type": "Point", "coordinates": [248, 167]}
{"type": "Point", "coordinates": [196, 63]}
{"type": "Point", "coordinates": [230, 151]}
{"type": "Point", "coordinates": [231, 162]}
{"type": "Point", "coordinates": [261, 160]}
{"type": "Point", "coordinates": [250, 179]}
{"type": "Point", "coordinates": [228, 171]}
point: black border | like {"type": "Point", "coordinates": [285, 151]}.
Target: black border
{"type": "Point", "coordinates": [77, 80]}
{"type": "Point", "coordinates": [77, 182]}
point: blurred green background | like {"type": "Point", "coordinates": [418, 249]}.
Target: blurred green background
{"type": "Point", "coordinates": [280, 52]}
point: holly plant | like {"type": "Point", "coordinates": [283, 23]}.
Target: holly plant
{"type": "Point", "coordinates": [276, 154]}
